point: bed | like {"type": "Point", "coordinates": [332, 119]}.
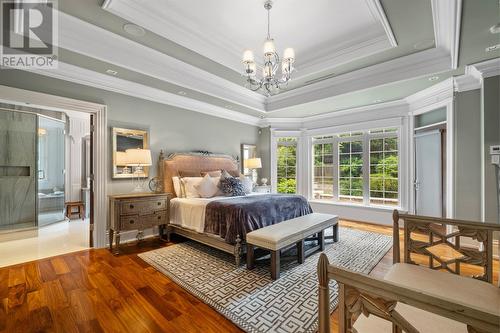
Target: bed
{"type": "Point", "coordinates": [222, 222]}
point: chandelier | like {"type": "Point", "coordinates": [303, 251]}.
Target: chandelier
{"type": "Point", "coordinates": [270, 82]}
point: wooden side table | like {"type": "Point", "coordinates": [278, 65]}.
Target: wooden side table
{"type": "Point", "coordinates": [80, 209]}
{"type": "Point", "coordinates": [137, 211]}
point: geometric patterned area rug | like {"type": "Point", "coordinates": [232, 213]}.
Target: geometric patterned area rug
{"type": "Point", "coordinates": [253, 301]}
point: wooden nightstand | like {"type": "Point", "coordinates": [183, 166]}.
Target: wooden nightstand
{"type": "Point", "coordinates": [262, 189]}
{"type": "Point", "coordinates": [137, 211]}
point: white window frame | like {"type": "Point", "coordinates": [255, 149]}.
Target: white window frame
{"type": "Point", "coordinates": [275, 135]}
{"type": "Point", "coordinates": [399, 123]}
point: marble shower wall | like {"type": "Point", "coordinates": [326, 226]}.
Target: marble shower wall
{"type": "Point", "coordinates": [17, 170]}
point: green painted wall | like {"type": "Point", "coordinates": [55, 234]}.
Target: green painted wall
{"type": "Point", "coordinates": [491, 136]}
{"type": "Point", "coordinates": [467, 159]}
{"type": "Point", "coordinates": [264, 151]}
{"type": "Point", "coordinates": [171, 129]}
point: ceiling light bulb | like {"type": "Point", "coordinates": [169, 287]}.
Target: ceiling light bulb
{"type": "Point", "coordinates": [251, 69]}
{"type": "Point", "coordinates": [289, 54]}
{"type": "Point", "coordinates": [267, 71]}
{"type": "Point", "coordinates": [434, 78]}
{"type": "Point", "coordinates": [248, 56]}
{"type": "Point", "coordinates": [269, 47]}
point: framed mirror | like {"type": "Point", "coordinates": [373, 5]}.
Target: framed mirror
{"type": "Point", "coordinates": [124, 139]}
{"type": "Point", "coordinates": [247, 151]}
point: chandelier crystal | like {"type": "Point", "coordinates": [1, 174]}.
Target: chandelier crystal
{"type": "Point", "coordinates": [270, 82]}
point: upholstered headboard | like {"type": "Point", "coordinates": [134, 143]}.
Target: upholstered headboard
{"type": "Point", "coordinates": [192, 162]}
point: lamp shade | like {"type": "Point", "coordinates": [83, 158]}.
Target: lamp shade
{"type": "Point", "coordinates": [252, 163]}
{"type": "Point", "coordinates": [121, 158]}
{"type": "Point", "coordinates": [138, 157]}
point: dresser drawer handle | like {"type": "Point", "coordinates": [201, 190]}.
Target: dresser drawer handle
{"type": "Point", "coordinates": [131, 221]}
{"type": "Point", "coordinates": [159, 217]}
{"type": "Point", "coordinates": [159, 203]}
{"type": "Point", "coordinates": [131, 206]}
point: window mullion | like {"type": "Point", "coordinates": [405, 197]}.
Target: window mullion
{"type": "Point", "coordinates": [366, 169]}
{"type": "Point", "coordinates": [336, 171]}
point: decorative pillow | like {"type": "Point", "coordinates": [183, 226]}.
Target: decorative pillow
{"type": "Point", "coordinates": [189, 186]}
{"type": "Point", "coordinates": [207, 188]}
{"type": "Point", "coordinates": [215, 173]}
{"type": "Point", "coordinates": [225, 174]}
{"type": "Point", "coordinates": [177, 187]}
{"type": "Point", "coordinates": [247, 184]}
{"type": "Point", "coordinates": [183, 174]}
{"type": "Point", "coordinates": [231, 186]}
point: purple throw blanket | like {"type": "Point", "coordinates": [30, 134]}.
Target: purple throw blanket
{"type": "Point", "coordinates": [229, 218]}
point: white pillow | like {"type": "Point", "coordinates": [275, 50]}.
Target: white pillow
{"type": "Point", "coordinates": [189, 186]}
{"type": "Point", "coordinates": [219, 193]}
{"type": "Point", "coordinates": [177, 187]}
{"type": "Point", "coordinates": [207, 188]}
{"type": "Point", "coordinates": [247, 184]}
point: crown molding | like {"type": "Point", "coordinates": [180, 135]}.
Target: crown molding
{"type": "Point", "coordinates": [371, 112]}
{"type": "Point", "coordinates": [427, 98]}
{"type": "Point", "coordinates": [79, 36]}
{"type": "Point", "coordinates": [93, 79]}
{"type": "Point", "coordinates": [378, 13]}
{"type": "Point", "coordinates": [486, 68]}
{"type": "Point", "coordinates": [446, 16]}
{"type": "Point", "coordinates": [466, 82]}
{"type": "Point", "coordinates": [412, 66]}
{"type": "Point", "coordinates": [184, 31]}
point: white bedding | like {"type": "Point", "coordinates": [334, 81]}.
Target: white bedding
{"type": "Point", "coordinates": [190, 212]}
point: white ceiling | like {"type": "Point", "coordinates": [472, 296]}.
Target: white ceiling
{"type": "Point", "coordinates": [222, 29]}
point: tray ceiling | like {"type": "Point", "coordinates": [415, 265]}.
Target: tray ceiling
{"type": "Point", "coordinates": [324, 33]}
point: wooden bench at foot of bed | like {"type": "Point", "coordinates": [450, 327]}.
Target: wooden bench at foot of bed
{"type": "Point", "coordinates": [281, 235]}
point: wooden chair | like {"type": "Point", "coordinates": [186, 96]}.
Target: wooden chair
{"type": "Point", "coordinates": [414, 298]}
{"type": "Point", "coordinates": [80, 209]}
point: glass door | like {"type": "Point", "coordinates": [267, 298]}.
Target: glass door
{"type": "Point", "coordinates": [51, 169]}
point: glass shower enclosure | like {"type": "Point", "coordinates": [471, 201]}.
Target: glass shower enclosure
{"type": "Point", "coordinates": [32, 164]}
{"type": "Point", "coordinates": [50, 170]}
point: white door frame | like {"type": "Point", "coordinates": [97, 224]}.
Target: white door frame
{"type": "Point", "coordinates": [23, 97]}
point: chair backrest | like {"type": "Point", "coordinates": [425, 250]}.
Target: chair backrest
{"type": "Point", "coordinates": [361, 294]}
{"type": "Point", "coordinates": [441, 240]}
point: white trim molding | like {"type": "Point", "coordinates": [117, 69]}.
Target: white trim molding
{"type": "Point", "coordinates": [447, 16]}
{"type": "Point", "coordinates": [111, 83]}
{"type": "Point", "coordinates": [44, 101]}
{"type": "Point", "coordinates": [486, 68]}
{"type": "Point", "coordinates": [428, 99]}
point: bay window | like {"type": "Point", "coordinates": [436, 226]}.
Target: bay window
{"type": "Point", "coordinates": [357, 167]}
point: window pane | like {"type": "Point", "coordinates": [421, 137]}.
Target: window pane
{"type": "Point", "coordinates": [323, 171]}
{"type": "Point", "coordinates": [384, 171]}
{"type": "Point", "coordinates": [376, 145]}
{"type": "Point", "coordinates": [286, 160]}
{"type": "Point", "coordinates": [351, 171]}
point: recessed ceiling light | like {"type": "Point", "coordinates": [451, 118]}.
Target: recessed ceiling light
{"type": "Point", "coordinates": [111, 72]}
{"type": "Point", "coordinates": [134, 30]}
{"type": "Point", "coordinates": [495, 29]}
{"type": "Point", "coordinates": [377, 101]}
{"type": "Point", "coordinates": [228, 106]}
{"type": "Point", "coordinates": [493, 48]}
{"type": "Point", "coordinates": [182, 93]}
{"type": "Point", "coordinates": [434, 78]}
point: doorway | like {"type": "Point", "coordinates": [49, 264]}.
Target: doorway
{"type": "Point", "coordinates": [430, 142]}
{"type": "Point", "coordinates": [59, 143]}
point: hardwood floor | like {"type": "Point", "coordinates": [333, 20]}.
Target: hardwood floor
{"type": "Point", "coordinates": [95, 291]}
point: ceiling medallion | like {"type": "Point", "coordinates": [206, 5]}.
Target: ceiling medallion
{"type": "Point", "coordinates": [270, 83]}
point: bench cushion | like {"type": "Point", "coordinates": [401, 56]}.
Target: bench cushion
{"type": "Point", "coordinates": [423, 321]}
{"type": "Point", "coordinates": [280, 235]}
{"type": "Point", "coordinates": [482, 295]}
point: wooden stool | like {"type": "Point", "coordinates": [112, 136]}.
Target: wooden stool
{"type": "Point", "coordinates": [75, 204]}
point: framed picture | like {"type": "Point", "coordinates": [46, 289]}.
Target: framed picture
{"type": "Point", "coordinates": [124, 139]}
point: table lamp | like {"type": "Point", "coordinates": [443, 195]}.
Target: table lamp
{"type": "Point", "coordinates": [253, 164]}
{"type": "Point", "coordinates": [139, 158]}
